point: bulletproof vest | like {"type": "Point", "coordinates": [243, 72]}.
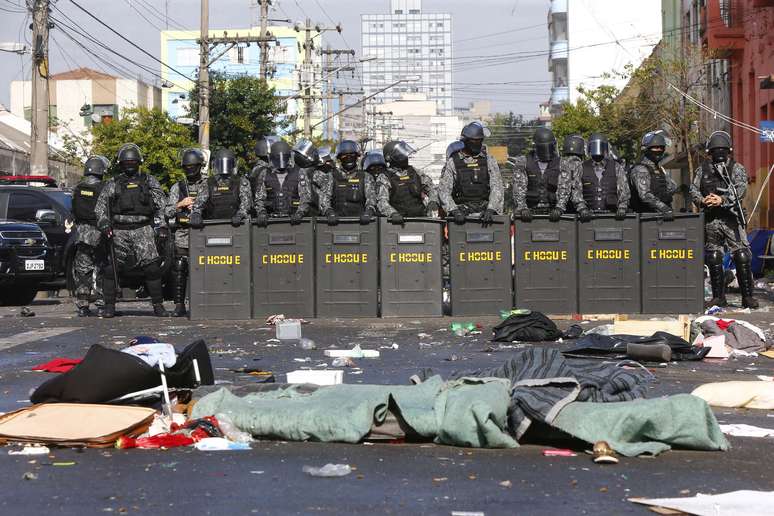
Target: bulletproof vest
{"type": "Point", "coordinates": [406, 192]}
{"type": "Point", "coordinates": [224, 198]}
{"type": "Point", "coordinates": [658, 187]}
{"type": "Point", "coordinates": [85, 197]}
{"type": "Point", "coordinates": [600, 195]}
{"type": "Point", "coordinates": [542, 186]}
{"type": "Point", "coordinates": [472, 181]}
{"type": "Point", "coordinates": [348, 193]}
{"type": "Point", "coordinates": [712, 183]}
{"type": "Point", "coordinates": [132, 196]}
{"type": "Point", "coordinates": [184, 190]}
{"type": "Point", "coordinates": [282, 200]}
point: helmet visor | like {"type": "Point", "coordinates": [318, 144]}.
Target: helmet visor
{"type": "Point", "coordinates": [598, 148]}
{"type": "Point", "coordinates": [225, 165]}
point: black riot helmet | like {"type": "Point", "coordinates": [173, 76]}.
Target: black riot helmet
{"type": "Point", "coordinates": [653, 146]}
{"type": "Point", "coordinates": [387, 149]}
{"type": "Point", "coordinates": [305, 154]}
{"type": "Point", "coordinates": [279, 155]}
{"type": "Point", "coordinates": [129, 158]}
{"type": "Point", "coordinates": [326, 157]}
{"type": "Point", "coordinates": [473, 136]}
{"type": "Point", "coordinates": [400, 154]}
{"type": "Point", "coordinates": [719, 146]}
{"type": "Point", "coordinates": [223, 162]}
{"type": "Point", "coordinates": [374, 163]}
{"type": "Point", "coordinates": [453, 147]}
{"type": "Point", "coordinates": [262, 147]}
{"type": "Point", "coordinates": [598, 146]}
{"type": "Point", "coordinates": [96, 166]}
{"type": "Point", "coordinates": [545, 144]}
{"type": "Point", "coordinates": [574, 145]}
{"type": "Point", "coordinates": [347, 153]}
{"type": "Point", "coordinates": [192, 162]}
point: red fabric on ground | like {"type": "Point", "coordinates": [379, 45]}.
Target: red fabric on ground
{"type": "Point", "coordinates": [58, 365]}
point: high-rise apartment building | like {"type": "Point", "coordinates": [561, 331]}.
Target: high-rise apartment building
{"type": "Point", "coordinates": [412, 48]}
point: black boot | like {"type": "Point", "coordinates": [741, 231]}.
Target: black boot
{"type": "Point", "coordinates": [109, 293]}
{"type": "Point", "coordinates": [743, 261]}
{"type": "Point", "coordinates": [179, 276]}
{"type": "Point", "coordinates": [155, 289]}
{"type": "Point", "coordinates": [159, 310]}
{"type": "Point", "coordinates": [83, 311]}
{"type": "Point", "coordinates": [714, 261]}
{"type": "Point", "coordinates": [108, 312]}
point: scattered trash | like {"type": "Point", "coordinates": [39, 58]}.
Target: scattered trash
{"type": "Point", "coordinates": [440, 479]}
{"type": "Point", "coordinates": [26, 312]}
{"type": "Point", "coordinates": [219, 444]}
{"type": "Point", "coordinates": [734, 502]}
{"type": "Point", "coordinates": [63, 464]}
{"type": "Point", "coordinates": [452, 358]}
{"type": "Point", "coordinates": [274, 319]}
{"type": "Point", "coordinates": [423, 335]}
{"type": "Point", "coordinates": [355, 352]}
{"type": "Point", "coordinates": [324, 377]}
{"type": "Point", "coordinates": [29, 475]}
{"type": "Point", "coordinates": [714, 309]}
{"type": "Point", "coordinates": [342, 362]}
{"type": "Point", "coordinates": [57, 365]}
{"type": "Point", "coordinates": [504, 314]}
{"type": "Point", "coordinates": [288, 329]}
{"type": "Point", "coordinates": [464, 329]}
{"type": "Point", "coordinates": [559, 452]}
{"type": "Point", "coordinates": [742, 430]}
{"type": "Point", "coordinates": [329, 470]}
{"type": "Point", "coordinates": [302, 360]}
{"type": "Point", "coordinates": [602, 329]}
{"type": "Point", "coordinates": [307, 344]}
{"type": "Point", "coordinates": [603, 453]}
{"type": "Point", "coordinates": [505, 483]}
{"type": "Point", "coordinates": [230, 431]}
{"type": "Point", "coordinates": [31, 450]}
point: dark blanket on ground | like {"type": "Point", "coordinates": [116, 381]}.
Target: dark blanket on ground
{"type": "Point", "coordinates": [594, 344]}
{"type": "Point", "coordinates": [527, 327]}
{"type": "Point", "coordinates": [543, 382]}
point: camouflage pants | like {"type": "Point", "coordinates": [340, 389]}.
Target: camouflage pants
{"type": "Point", "coordinates": [87, 272]}
{"type": "Point", "coordinates": [135, 248]}
{"type": "Point", "coordinates": [724, 233]}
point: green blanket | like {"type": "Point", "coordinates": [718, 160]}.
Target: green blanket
{"type": "Point", "coordinates": [645, 426]}
{"type": "Point", "coordinates": [465, 412]}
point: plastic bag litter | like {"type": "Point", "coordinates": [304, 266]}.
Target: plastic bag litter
{"type": "Point", "coordinates": [602, 329]}
{"type": "Point", "coordinates": [230, 430]}
{"type": "Point", "coordinates": [219, 444]}
{"type": "Point", "coordinates": [329, 470]}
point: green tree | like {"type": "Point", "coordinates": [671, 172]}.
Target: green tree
{"type": "Point", "coordinates": [160, 139]}
{"type": "Point", "coordinates": [511, 131]}
{"type": "Point", "coordinates": [243, 109]}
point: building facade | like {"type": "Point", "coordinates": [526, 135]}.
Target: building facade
{"type": "Point", "coordinates": [591, 39]}
{"type": "Point", "coordinates": [413, 48]}
{"type": "Point", "coordinates": [181, 51]}
{"type": "Point", "coordinates": [104, 95]}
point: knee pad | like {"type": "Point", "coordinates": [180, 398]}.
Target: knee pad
{"type": "Point", "coordinates": [743, 256]}
{"type": "Point", "coordinates": [714, 258]}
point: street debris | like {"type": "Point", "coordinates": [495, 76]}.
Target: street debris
{"type": "Point", "coordinates": [355, 352]}
{"type": "Point", "coordinates": [307, 344]}
{"type": "Point", "coordinates": [742, 430]}
{"type": "Point", "coordinates": [31, 450]}
{"type": "Point", "coordinates": [603, 453]}
{"type": "Point", "coordinates": [342, 362]}
{"type": "Point", "coordinates": [323, 377]}
{"type": "Point", "coordinates": [26, 312]}
{"type": "Point", "coordinates": [738, 394]}
{"type": "Point", "coordinates": [28, 475]}
{"type": "Point", "coordinates": [734, 503]}
{"type": "Point", "coordinates": [557, 452]}
{"type": "Point", "coordinates": [329, 470]}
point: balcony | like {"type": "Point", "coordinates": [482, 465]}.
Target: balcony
{"type": "Point", "coordinates": [559, 50]}
{"type": "Point", "coordinates": [560, 94]}
{"type": "Point", "coordinates": [558, 7]}
{"type": "Point", "coordinates": [721, 26]}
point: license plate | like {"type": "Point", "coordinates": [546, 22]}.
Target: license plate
{"type": "Point", "coordinates": [34, 265]}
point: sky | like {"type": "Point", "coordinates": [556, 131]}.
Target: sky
{"type": "Point", "coordinates": [482, 32]}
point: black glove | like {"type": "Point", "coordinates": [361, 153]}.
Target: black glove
{"type": "Point", "coordinates": [620, 214]}
{"type": "Point", "coordinates": [555, 215]}
{"type": "Point", "coordinates": [164, 233]}
{"type": "Point", "coordinates": [296, 218]}
{"type": "Point", "coordinates": [333, 219]}
{"type": "Point", "coordinates": [262, 219]}
{"type": "Point", "coordinates": [459, 217]}
{"type": "Point", "coordinates": [365, 218]}
{"type": "Point", "coordinates": [487, 217]}
{"type": "Point", "coordinates": [526, 215]}
{"type": "Point", "coordinates": [668, 216]}
{"type": "Point", "coordinates": [585, 216]}
{"type": "Point", "coordinates": [195, 220]}
{"type": "Point", "coordinates": [105, 228]}
{"type": "Point", "coordinates": [236, 220]}
{"type": "Point", "coordinates": [396, 218]}
{"type": "Point", "coordinates": [432, 207]}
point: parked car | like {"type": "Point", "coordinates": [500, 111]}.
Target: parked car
{"type": "Point", "coordinates": [26, 261]}
{"type": "Point", "coordinates": [47, 181]}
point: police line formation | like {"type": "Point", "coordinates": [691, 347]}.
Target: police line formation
{"type": "Point", "coordinates": [118, 219]}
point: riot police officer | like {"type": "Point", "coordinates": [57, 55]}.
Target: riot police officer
{"type": "Point", "coordinates": [352, 192]}
{"type": "Point", "coordinates": [540, 184]}
{"type": "Point", "coordinates": [375, 164]}
{"type": "Point", "coordinates": [179, 204]}
{"type": "Point", "coordinates": [262, 147]}
{"type": "Point", "coordinates": [307, 157]}
{"type": "Point", "coordinates": [602, 181]}
{"type": "Point", "coordinates": [387, 150]}
{"type": "Point", "coordinates": [718, 187]}
{"type": "Point", "coordinates": [652, 188]}
{"type": "Point", "coordinates": [283, 190]}
{"type": "Point", "coordinates": [227, 196]}
{"type": "Point", "coordinates": [470, 181]}
{"type": "Point", "coordinates": [127, 208]}
{"type": "Point", "coordinates": [573, 154]}
{"type": "Point", "coordinates": [89, 245]}
{"type": "Point", "coordinates": [402, 191]}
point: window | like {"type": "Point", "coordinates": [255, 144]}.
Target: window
{"type": "Point", "coordinates": [413, 11]}
{"type": "Point", "coordinates": [24, 206]}
{"type": "Point", "coordinates": [187, 56]}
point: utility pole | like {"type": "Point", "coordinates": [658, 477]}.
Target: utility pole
{"type": "Point", "coordinates": [204, 76]}
{"type": "Point", "coordinates": [39, 115]}
{"type": "Point", "coordinates": [308, 46]}
{"type": "Point", "coordinates": [264, 39]}
{"type": "Point", "coordinates": [328, 54]}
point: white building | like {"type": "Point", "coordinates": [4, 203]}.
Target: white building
{"type": "Point", "coordinates": [416, 119]}
{"type": "Point", "coordinates": [590, 39]}
{"type": "Point", "coordinates": [411, 46]}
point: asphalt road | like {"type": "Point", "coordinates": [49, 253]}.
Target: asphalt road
{"type": "Point", "coordinates": [389, 478]}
